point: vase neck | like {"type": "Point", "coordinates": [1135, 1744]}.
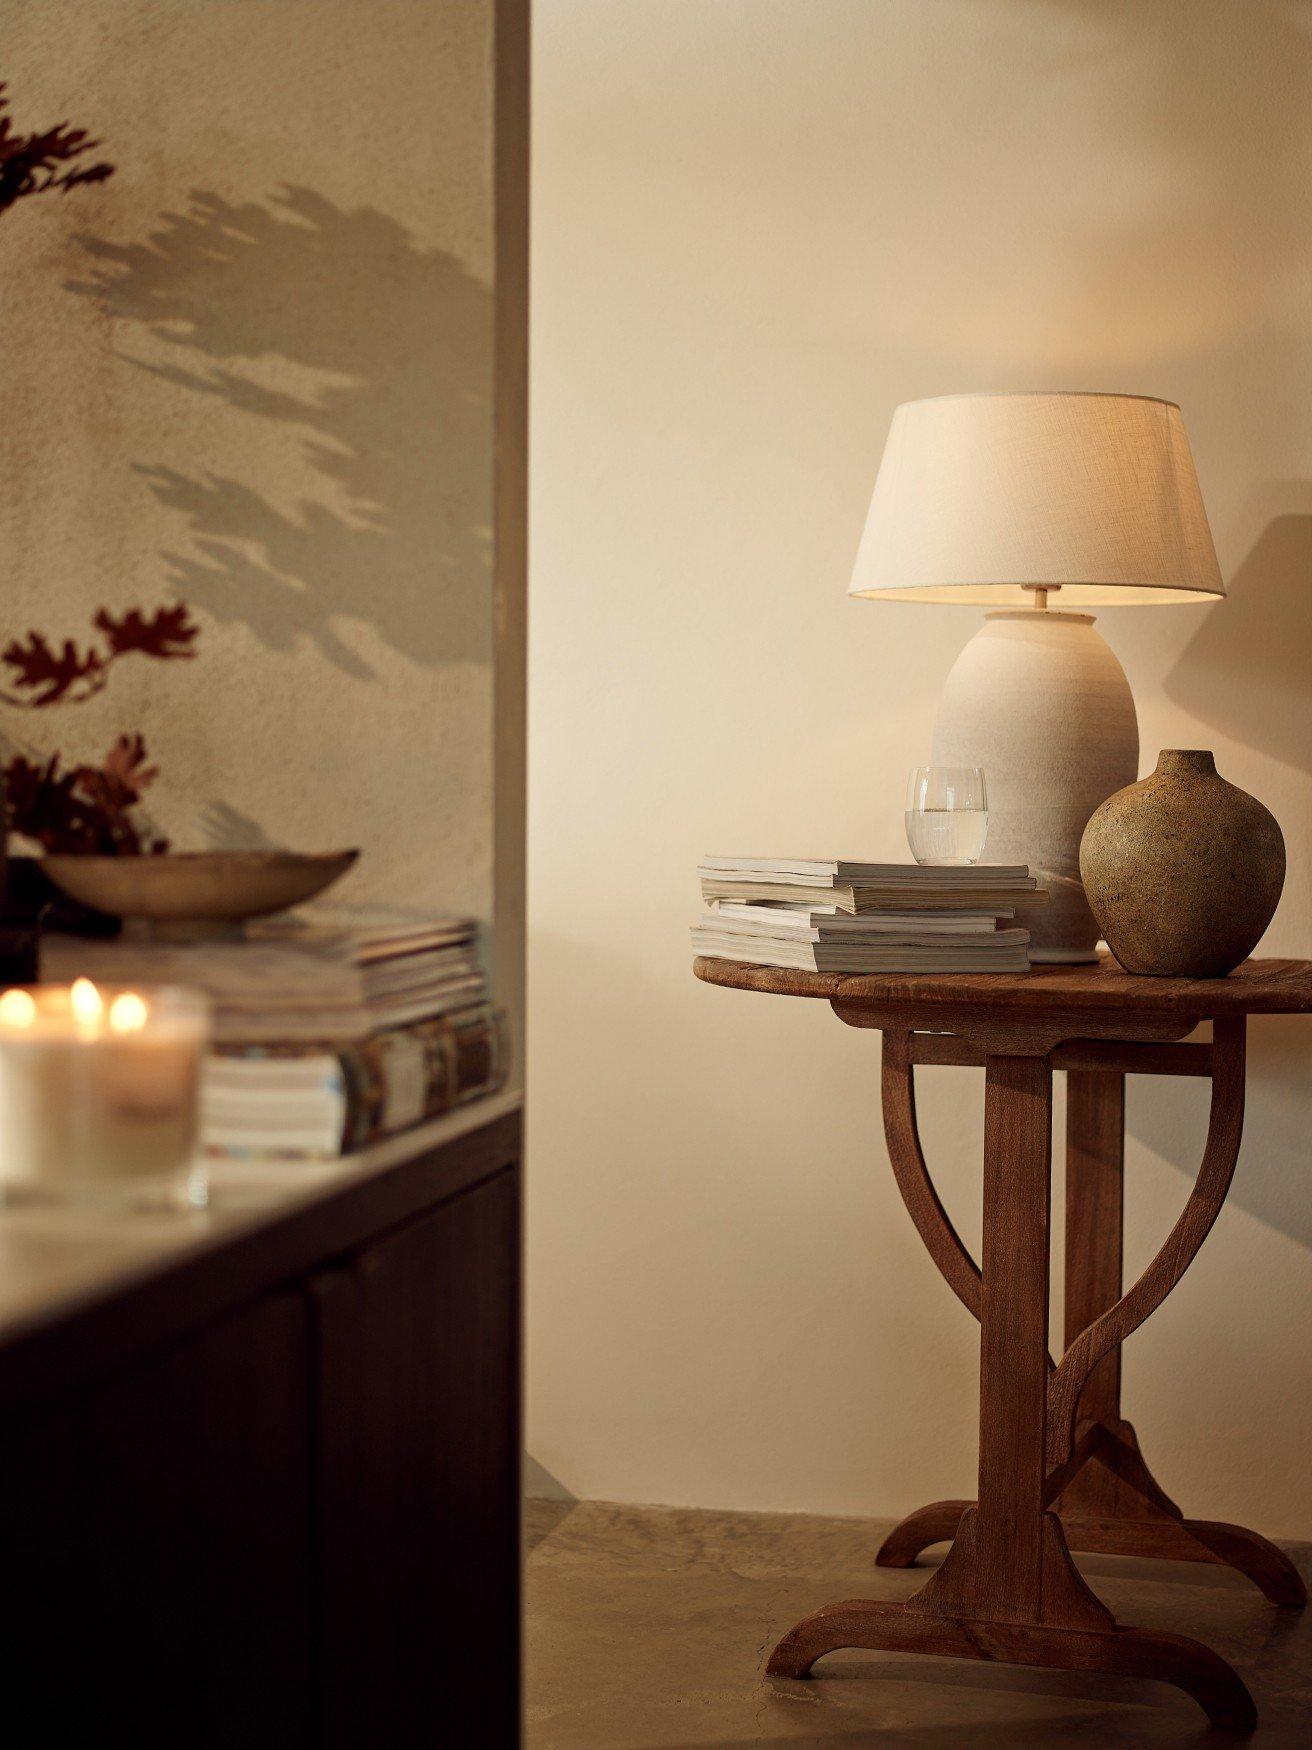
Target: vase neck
{"type": "Point", "coordinates": [1184, 759]}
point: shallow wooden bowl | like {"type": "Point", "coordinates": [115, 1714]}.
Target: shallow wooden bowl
{"type": "Point", "coordinates": [197, 887]}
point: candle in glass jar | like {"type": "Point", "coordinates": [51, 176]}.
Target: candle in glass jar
{"type": "Point", "coordinates": [99, 1091]}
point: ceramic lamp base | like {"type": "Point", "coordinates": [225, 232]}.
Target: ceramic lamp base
{"type": "Point", "coordinates": [1039, 700]}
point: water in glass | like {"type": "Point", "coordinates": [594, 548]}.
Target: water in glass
{"type": "Point", "coordinates": [947, 835]}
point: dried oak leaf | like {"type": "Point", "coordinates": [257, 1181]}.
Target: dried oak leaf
{"type": "Point", "coordinates": [112, 790]}
{"type": "Point", "coordinates": [116, 784]}
{"type": "Point", "coordinates": [168, 632]}
{"type": "Point", "coordinates": [49, 674]}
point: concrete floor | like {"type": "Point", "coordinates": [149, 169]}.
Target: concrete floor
{"type": "Point", "coordinates": [648, 1628]}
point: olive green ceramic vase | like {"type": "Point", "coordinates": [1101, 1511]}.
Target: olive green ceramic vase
{"type": "Point", "coordinates": [1182, 870]}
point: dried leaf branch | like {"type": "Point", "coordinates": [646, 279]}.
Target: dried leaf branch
{"type": "Point", "coordinates": [38, 163]}
{"type": "Point", "coordinates": [43, 675]}
{"type": "Point", "coordinates": [87, 809]}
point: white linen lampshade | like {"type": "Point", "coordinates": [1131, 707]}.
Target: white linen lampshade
{"type": "Point", "coordinates": [981, 497]}
{"type": "Point", "coordinates": [1006, 499]}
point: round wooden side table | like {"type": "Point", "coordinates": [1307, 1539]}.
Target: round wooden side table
{"type": "Point", "coordinates": [1059, 1469]}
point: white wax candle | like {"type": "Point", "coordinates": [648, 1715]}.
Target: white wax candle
{"type": "Point", "coordinates": [99, 1091]}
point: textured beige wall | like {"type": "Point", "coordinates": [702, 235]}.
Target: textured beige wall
{"type": "Point", "coordinates": [254, 370]}
{"type": "Point", "coordinates": [758, 228]}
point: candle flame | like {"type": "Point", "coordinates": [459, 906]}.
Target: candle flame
{"type": "Point", "coordinates": [17, 1008]}
{"type": "Point", "coordinates": [85, 1001]}
{"type": "Point", "coordinates": [128, 1013]}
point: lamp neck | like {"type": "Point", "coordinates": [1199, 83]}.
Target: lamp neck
{"type": "Point", "coordinates": [1040, 593]}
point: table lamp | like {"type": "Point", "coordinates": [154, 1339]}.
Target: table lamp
{"type": "Point", "coordinates": [1011, 500]}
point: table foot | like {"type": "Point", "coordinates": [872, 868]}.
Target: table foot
{"type": "Point", "coordinates": [1165, 1539]}
{"type": "Point", "coordinates": [1195, 1540]}
{"type": "Point", "coordinates": [936, 1523]}
{"type": "Point", "coordinates": [1123, 1652]}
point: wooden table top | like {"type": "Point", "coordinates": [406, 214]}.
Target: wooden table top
{"type": "Point", "coordinates": [1258, 987]}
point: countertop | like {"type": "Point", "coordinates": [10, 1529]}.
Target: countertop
{"type": "Point", "coordinates": [57, 1264]}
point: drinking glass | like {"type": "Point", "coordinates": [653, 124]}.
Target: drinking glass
{"type": "Point", "coordinates": [947, 815]}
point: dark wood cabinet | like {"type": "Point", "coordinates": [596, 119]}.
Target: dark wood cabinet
{"type": "Point", "coordinates": [267, 1493]}
{"type": "Point", "coordinates": [418, 1487]}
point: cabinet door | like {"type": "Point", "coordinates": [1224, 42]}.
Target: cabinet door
{"type": "Point", "coordinates": [419, 1485]}
{"type": "Point", "coordinates": [155, 1568]}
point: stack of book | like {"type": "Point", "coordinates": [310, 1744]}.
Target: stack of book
{"type": "Point", "coordinates": [332, 1028]}
{"type": "Point", "coordinates": [825, 916]}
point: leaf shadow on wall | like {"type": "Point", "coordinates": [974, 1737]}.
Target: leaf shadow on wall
{"type": "Point", "coordinates": [399, 428]}
{"type": "Point", "coordinates": [1247, 672]}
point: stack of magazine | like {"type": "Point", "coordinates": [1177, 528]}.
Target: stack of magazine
{"type": "Point", "coordinates": [836, 916]}
{"type": "Point", "coordinates": [333, 1027]}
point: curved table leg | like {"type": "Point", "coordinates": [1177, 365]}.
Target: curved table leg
{"type": "Point", "coordinates": [1253, 1555]}
{"type": "Point", "coordinates": [1124, 1652]}
{"type": "Point", "coordinates": [1194, 1540]}
{"type": "Point", "coordinates": [902, 1134]}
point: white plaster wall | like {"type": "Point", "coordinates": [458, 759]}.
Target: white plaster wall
{"type": "Point", "coordinates": [757, 227]}
{"type": "Point", "coordinates": [254, 370]}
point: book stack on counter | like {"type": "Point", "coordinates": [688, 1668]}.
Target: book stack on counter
{"type": "Point", "coordinates": [332, 1027]}
{"type": "Point", "coordinates": [833, 916]}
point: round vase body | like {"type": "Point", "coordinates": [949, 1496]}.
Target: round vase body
{"type": "Point", "coordinates": [1183, 870]}
{"type": "Point", "coordinates": [1039, 700]}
